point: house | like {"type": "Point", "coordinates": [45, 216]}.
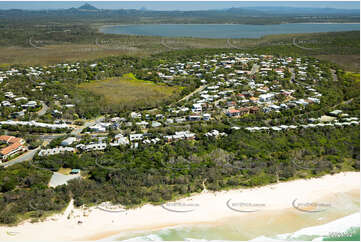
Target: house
{"type": "Point", "coordinates": [30, 104]}
{"type": "Point", "coordinates": [266, 97]}
{"type": "Point", "coordinates": [18, 114]}
{"type": "Point", "coordinates": [215, 133]}
{"type": "Point", "coordinates": [156, 124]}
{"type": "Point", "coordinates": [55, 151]}
{"type": "Point", "coordinates": [56, 113]}
{"type": "Point", "coordinates": [206, 117]}
{"type": "Point", "coordinates": [68, 141]}
{"type": "Point", "coordinates": [90, 147]}
{"type": "Point", "coordinates": [120, 140]}
{"type": "Point", "coordinates": [243, 111]}
{"type": "Point", "coordinates": [336, 112]}
{"type": "Point", "coordinates": [233, 113]}
{"type": "Point", "coordinates": [194, 117]}
{"type": "Point", "coordinates": [159, 116]}
{"type": "Point", "coordinates": [301, 102]}
{"type": "Point", "coordinates": [135, 115]}
{"type": "Point", "coordinates": [35, 124]}
{"type": "Point", "coordinates": [74, 171]}
{"type": "Point", "coordinates": [5, 103]}
{"type": "Point", "coordinates": [98, 128]}
{"type": "Point", "coordinates": [253, 109]}
{"type": "Point", "coordinates": [15, 145]}
{"type": "Point", "coordinates": [275, 107]}
{"type": "Point", "coordinates": [180, 120]}
{"type": "Point", "coordinates": [180, 135]}
{"type": "Point", "coordinates": [197, 108]}
{"type": "Point", "coordinates": [169, 121]}
{"type": "Point", "coordinates": [133, 137]}
{"type": "Point", "coordinates": [142, 124]}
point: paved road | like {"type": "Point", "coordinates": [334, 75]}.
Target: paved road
{"type": "Point", "coordinates": [231, 45]}
{"type": "Point", "coordinates": [334, 76]}
{"type": "Point", "coordinates": [293, 75]}
{"type": "Point", "coordinates": [87, 124]}
{"type": "Point", "coordinates": [199, 89]}
{"type": "Point", "coordinates": [43, 110]}
{"type": "Point", "coordinates": [33, 45]}
{"type": "Point", "coordinates": [163, 43]}
{"type": "Point", "coordinates": [24, 157]}
{"type": "Point", "coordinates": [301, 47]}
{"type": "Point", "coordinates": [29, 155]}
{"type": "Point", "coordinates": [255, 68]}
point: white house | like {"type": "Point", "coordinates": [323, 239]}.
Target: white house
{"type": "Point", "coordinates": [266, 97]}
{"type": "Point", "coordinates": [68, 141]}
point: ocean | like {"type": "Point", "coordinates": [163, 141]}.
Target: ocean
{"type": "Point", "coordinates": [340, 222]}
{"type": "Point", "coordinates": [223, 31]}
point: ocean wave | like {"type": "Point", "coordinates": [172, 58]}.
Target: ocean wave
{"type": "Point", "coordinates": [149, 237]}
{"type": "Point", "coordinates": [318, 233]}
{"type": "Point", "coordinates": [314, 233]}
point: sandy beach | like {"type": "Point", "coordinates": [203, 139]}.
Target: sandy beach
{"type": "Point", "coordinates": [207, 207]}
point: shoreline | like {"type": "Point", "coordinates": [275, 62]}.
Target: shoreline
{"type": "Point", "coordinates": [123, 25]}
{"type": "Point", "coordinates": [207, 207]}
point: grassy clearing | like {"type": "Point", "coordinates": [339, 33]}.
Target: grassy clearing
{"type": "Point", "coordinates": [341, 48]}
{"type": "Point", "coordinates": [64, 171]}
{"type": "Point", "coordinates": [128, 92]}
{"type": "Point", "coordinates": [348, 62]}
{"type": "Point", "coordinates": [60, 53]}
{"type": "Point", "coordinates": [354, 76]}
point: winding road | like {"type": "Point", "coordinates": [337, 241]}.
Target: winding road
{"type": "Point", "coordinates": [43, 110]}
{"type": "Point", "coordinates": [301, 47]}
{"type": "Point", "coordinates": [24, 157]}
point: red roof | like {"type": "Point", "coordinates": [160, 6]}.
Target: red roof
{"type": "Point", "coordinates": [10, 139]}
{"type": "Point", "coordinates": [233, 111]}
{"type": "Point", "coordinates": [14, 142]}
{"type": "Point", "coordinates": [5, 138]}
{"type": "Point", "coordinates": [10, 148]}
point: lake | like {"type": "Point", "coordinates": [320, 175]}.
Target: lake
{"type": "Point", "coordinates": [224, 31]}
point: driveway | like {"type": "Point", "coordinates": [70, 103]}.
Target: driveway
{"type": "Point", "coordinates": [24, 157]}
{"type": "Point", "coordinates": [87, 124]}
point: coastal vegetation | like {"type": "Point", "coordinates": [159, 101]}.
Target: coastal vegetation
{"type": "Point", "coordinates": [80, 74]}
{"type": "Point", "coordinates": [69, 42]}
{"type": "Point", "coordinates": [156, 173]}
{"type": "Point", "coordinates": [159, 173]}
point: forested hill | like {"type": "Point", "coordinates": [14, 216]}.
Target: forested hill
{"type": "Point", "coordinates": [247, 15]}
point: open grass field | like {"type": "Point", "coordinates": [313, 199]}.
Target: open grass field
{"type": "Point", "coordinates": [354, 76]}
{"type": "Point", "coordinates": [59, 53]}
{"type": "Point", "coordinates": [341, 48]}
{"type": "Point", "coordinates": [347, 62]}
{"type": "Point", "coordinates": [128, 92]}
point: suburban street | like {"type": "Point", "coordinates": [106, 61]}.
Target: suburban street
{"type": "Point", "coordinates": [31, 153]}
{"type": "Point", "coordinates": [293, 75]}
{"type": "Point", "coordinates": [301, 47]}
{"type": "Point", "coordinates": [87, 124]}
{"type": "Point", "coordinates": [254, 69]}
{"type": "Point", "coordinates": [199, 89]}
{"type": "Point", "coordinates": [24, 157]}
{"type": "Point", "coordinates": [334, 76]}
{"type": "Point", "coordinates": [43, 110]}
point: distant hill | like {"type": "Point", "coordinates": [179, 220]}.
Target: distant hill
{"type": "Point", "coordinates": [247, 15]}
{"type": "Point", "coordinates": [87, 7]}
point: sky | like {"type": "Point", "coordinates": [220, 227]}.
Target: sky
{"type": "Point", "coordinates": [175, 5]}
